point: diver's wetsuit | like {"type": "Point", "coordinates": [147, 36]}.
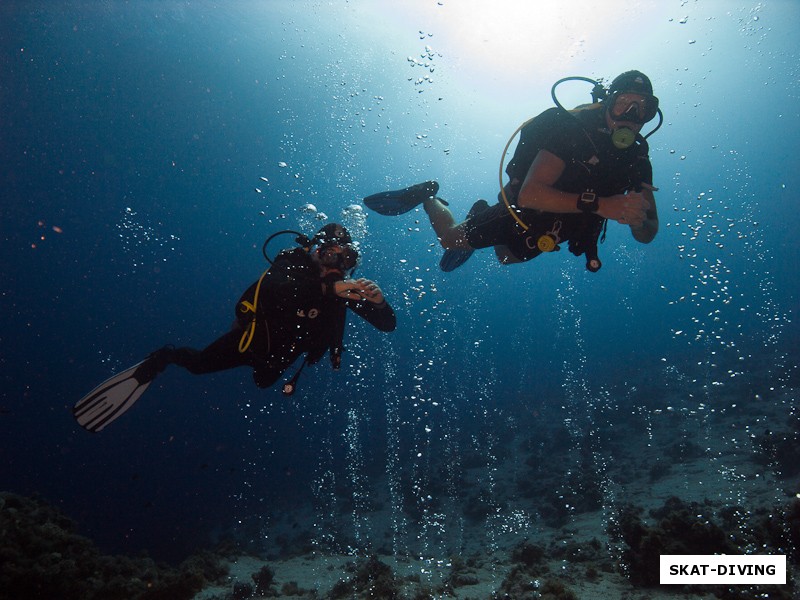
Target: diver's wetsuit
{"type": "Point", "coordinates": [591, 163]}
{"type": "Point", "coordinates": [292, 317]}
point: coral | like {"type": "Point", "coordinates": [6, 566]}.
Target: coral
{"type": "Point", "coordinates": [530, 557]}
{"type": "Point", "coordinates": [292, 589]}
{"type": "Point", "coordinates": [41, 556]}
{"type": "Point", "coordinates": [522, 581]}
{"type": "Point", "coordinates": [263, 578]}
{"type": "Point", "coordinates": [576, 551]}
{"type": "Point", "coordinates": [371, 579]}
{"type": "Point", "coordinates": [554, 589]}
{"type": "Point", "coordinates": [520, 586]}
{"type": "Point", "coordinates": [461, 574]}
{"type": "Point", "coordinates": [681, 529]}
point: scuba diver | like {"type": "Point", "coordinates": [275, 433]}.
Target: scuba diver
{"type": "Point", "coordinates": [298, 306]}
{"type": "Point", "coordinates": [571, 172]}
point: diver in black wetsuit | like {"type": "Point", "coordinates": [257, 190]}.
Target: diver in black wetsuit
{"type": "Point", "coordinates": [571, 172]}
{"type": "Point", "coordinates": [299, 306]}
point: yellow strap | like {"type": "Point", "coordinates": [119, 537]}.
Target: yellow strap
{"type": "Point", "coordinates": [511, 211]}
{"type": "Point", "coordinates": [247, 336]}
{"type": "Point", "coordinates": [503, 158]}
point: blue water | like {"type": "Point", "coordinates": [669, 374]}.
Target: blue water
{"type": "Point", "coordinates": [133, 137]}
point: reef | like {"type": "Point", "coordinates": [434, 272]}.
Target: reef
{"type": "Point", "coordinates": [694, 528]}
{"type": "Point", "coordinates": [530, 579]}
{"type": "Point", "coordinates": [42, 556]}
{"type": "Point", "coordinates": [370, 579]}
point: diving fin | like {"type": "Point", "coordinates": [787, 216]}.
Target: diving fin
{"type": "Point", "coordinates": [453, 259]}
{"type": "Point", "coordinates": [398, 202]}
{"type": "Point", "coordinates": [109, 400]}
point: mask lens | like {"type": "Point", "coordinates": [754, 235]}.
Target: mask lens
{"type": "Point", "coordinates": [630, 107]}
{"type": "Point", "coordinates": [338, 257]}
{"type": "Point", "coordinates": [635, 108]}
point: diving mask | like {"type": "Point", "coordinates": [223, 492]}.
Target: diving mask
{"type": "Point", "coordinates": [342, 257]}
{"type": "Point", "coordinates": [634, 108]}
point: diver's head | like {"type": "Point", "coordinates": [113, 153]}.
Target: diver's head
{"type": "Point", "coordinates": [630, 99]}
{"type": "Point", "coordinates": [629, 105]}
{"type": "Point", "coordinates": [335, 248]}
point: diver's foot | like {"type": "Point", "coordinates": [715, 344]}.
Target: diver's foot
{"type": "Point", "coordinates": [456, 257]}
{"type": "Point", "coordinates": [398, 202]}
{"type": "Point", "coordinates": [154, 364]}
{"type": "Point", "coordinates": [421, 191]}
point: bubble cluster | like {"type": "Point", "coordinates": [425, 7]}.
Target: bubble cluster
{"type": "Point", "coordinates": [729, 293]}
{"type": "Point", "coordinates": [141, 241]}
{"type": "Point", "coordinates": [355, 221]}
{"type": "Point", "coordinates": [424, 61]}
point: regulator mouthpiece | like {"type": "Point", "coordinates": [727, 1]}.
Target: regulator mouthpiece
{"type": "Point", "coordinates": [623, 138]}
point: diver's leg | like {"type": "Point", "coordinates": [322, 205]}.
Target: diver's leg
{"type": "Point", "coordinates": [220, 355]}
{"type": "Point", "coordinates": [505, 256]}
{"type": "Point", "coordinates": [451, 236]}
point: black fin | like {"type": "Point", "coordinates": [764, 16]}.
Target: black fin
{"type": "Point", "coordinates": [398, 202]}
{"type": "Point", "coordinates": [453, 259]}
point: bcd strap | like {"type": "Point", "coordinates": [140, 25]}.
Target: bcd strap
{"type": "Point", "coordinates": [290, 386]}
{"type": "Point", "coordinates": [246, 307]}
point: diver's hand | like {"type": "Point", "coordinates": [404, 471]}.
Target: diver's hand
{"type": "Point", "coordinates": [359, 289]}
{"type": "Point", "coordinates": [370, 291]}
{"type": "Point", "coordinates": [628, 209]}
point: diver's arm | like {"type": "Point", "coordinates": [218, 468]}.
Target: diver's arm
{"type": "Point", "coordinates": [538, 192]}
{"type": "Point", "coordinates": [366, 300]}
{"type": "Point", "coordinates": [649, 227]}
{"type": "Point", "coordinates": [380, 316]}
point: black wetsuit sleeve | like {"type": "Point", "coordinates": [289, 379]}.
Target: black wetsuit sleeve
{"type": "Point", "coordinates": [380, 316]}
{"type": "Point", "coordinates": [644, 170]}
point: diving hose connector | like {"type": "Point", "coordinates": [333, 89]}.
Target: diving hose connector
{"type": "Point", "coordinates": [548, 242]}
